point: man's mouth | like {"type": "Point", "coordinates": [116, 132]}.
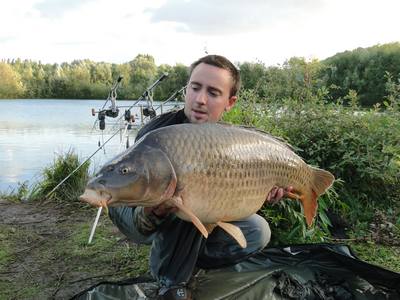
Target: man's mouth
{"type": "Point", "coordinates": [199, 114]}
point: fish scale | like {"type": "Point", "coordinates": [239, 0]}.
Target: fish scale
{"type": "Point", "coordinates": [213, 173]}
{"type": "Point", "coordinates": [236, 151]}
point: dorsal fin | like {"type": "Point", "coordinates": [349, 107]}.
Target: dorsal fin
{"type": "Point", "coordinates": [260, 131]}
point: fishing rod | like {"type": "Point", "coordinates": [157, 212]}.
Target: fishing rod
{"type": "Point", "coordinates": [173, 96]}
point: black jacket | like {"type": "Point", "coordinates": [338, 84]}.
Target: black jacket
{"type": "Point", "coordinates": [166, 119]}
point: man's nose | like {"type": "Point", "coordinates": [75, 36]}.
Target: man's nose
{"type": "Point", "coordinates": [201, 97]}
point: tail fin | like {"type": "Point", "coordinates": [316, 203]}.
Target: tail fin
{"type": "Point", "coordinates": [322, 180]}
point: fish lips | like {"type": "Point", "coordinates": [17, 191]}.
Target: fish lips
{"type": "Point", "coordinates": [95, 198]}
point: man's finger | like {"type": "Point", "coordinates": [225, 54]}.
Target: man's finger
{"type": "Point", "coordinates": [288, 190]}
{"type": "Point", "coordinates": [271, 194]}
{"type": "Point", "coordinates": [279, 194]}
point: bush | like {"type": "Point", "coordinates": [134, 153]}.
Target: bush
{"type": "Point", "coordinates": [63, 165]}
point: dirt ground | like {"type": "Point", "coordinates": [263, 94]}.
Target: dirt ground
{"type": "Point", "coordinates": [42, 255]}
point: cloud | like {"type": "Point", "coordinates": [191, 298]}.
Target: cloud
{"type": "Point", "coordinates": [214, 17]}
{"type": "Point", "coordinates": [5, 39]}
{"type": "Point", "coordinates": [57, 8]}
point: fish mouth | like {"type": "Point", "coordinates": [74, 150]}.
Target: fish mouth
{"type": "Point", "coordinates": [96, 198]}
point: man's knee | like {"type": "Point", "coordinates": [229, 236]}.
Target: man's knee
{"type": "Point", "coordinates": [259, 233]}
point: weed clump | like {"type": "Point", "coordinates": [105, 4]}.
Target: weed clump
{"type": "Point", "coordinates": [63, 165]}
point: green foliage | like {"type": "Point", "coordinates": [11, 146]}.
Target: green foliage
{"type": "Point", "coordinates": [295, 79]}
{"type": "Point", "coordinates": [10, 83]}
{"type": "Point", "coordinates": [85, 79]}
{"type": "Point", "coordinates": [177, 78]}
{"type": "Point", "coordinates": [143, 73]}
{"type": "Point", "coordinates": [68, 192]}
{"type": "Point", "coordinates": [362, 70]}
{"type": "Point", "coordinates": [392, 100]}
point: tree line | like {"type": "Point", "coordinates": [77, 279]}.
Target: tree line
{"type": "Point", "coordinates": [364, 76]}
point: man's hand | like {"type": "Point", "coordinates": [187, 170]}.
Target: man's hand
{"type": "Point", "coordinates": [277, 193]}
{"type": "Point", "coordinates": [161, 210]}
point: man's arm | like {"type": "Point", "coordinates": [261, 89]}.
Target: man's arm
{"type": "Point", "coordinates": [137, 225]}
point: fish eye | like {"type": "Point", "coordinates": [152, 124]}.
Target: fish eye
{"type": "Point", "coordinates": [125, 170]}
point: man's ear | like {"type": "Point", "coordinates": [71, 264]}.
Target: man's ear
{"type": "Point", "coordinates": [231, 103]}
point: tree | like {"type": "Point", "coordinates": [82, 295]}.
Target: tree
{"type": "Point", "coordinates": [362, 70]}
{"type": "Point", "coordinates": [143, 73]}
{"type": "Point", "coordinates": [10, 83]}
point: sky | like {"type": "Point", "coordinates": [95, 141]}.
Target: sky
{"type": "Point", "coordinates": [181, 31]}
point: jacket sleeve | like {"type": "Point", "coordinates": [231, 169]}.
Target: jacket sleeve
{"type": "Point", "coordinates": [134, 224]}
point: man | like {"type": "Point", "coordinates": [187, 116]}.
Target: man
{"type": "Point", "coordinates": [177, 246]}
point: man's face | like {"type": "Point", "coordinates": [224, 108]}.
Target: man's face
{"type": "Point", "coordinates": [208, 94]}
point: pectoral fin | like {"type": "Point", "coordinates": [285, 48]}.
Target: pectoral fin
{"type": "Point", "coordinates": [170, 191]}
{"type": "Point", "coordinates": [195, 220]}
{"type": "Point", "coordinates": [235, 232]}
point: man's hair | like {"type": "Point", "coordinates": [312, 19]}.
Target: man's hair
{"type": "Point", "coordinates": [223, 63]}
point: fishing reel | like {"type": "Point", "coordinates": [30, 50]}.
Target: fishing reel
{"type": "Point", "coordinates": [102, 114]}
{"type": "Point", "coordinates": [113, 110]}
{"type": "Point", "coordinates": [149, 112]}
{"type": "Point", "coordinates": [129, 118]}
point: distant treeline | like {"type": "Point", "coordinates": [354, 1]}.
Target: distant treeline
{"type": "Point", "coordinates": [365, 76]}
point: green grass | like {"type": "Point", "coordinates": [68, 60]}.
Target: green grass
{"type": "Point", "coordinates": [63, 165]}
{"type": "Point", "coordinates": [382, 255]}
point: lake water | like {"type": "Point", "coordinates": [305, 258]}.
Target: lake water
{"type": "Point", "coordinates": [33, 132]}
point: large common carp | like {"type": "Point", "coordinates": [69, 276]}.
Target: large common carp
{"type": "Point", "coordinates": [214, 173]}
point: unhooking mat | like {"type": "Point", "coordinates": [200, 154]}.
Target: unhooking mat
{"type": "Point", "coordinates": [312, 271]}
